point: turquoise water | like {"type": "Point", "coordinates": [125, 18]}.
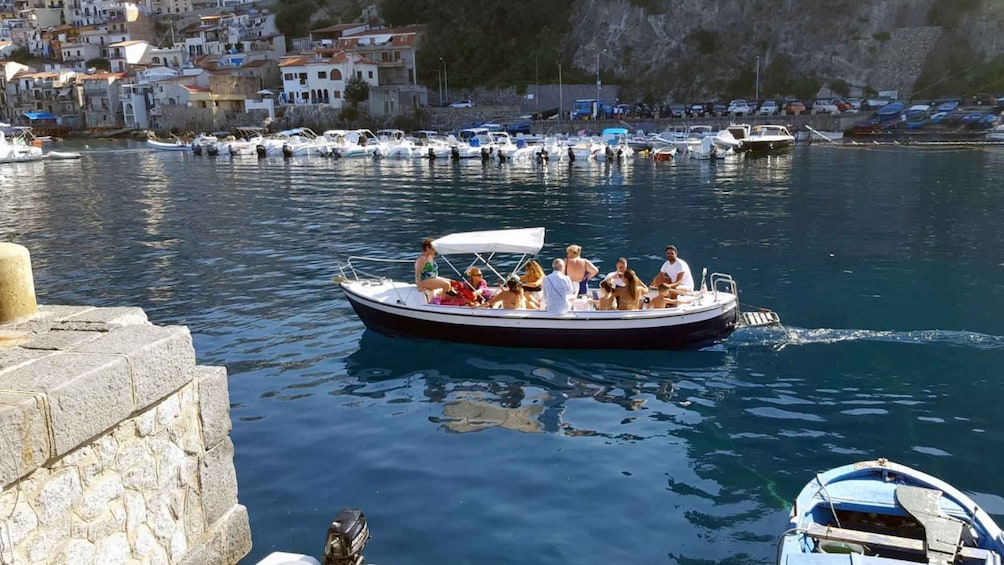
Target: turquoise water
{"type": "Point", "coordinates": [885, 264]}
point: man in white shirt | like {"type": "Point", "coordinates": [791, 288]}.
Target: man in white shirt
{"type": "Point", "coordinates": [616, 278]}
{"type": "Point", "coordinates": [558, 289]}
{"type": "Point", "coordinates": [676, 273]}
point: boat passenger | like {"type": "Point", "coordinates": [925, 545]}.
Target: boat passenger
{"type": "Point", "coordinates": [478, 285]}
{"type": "Point", "coordinates": [533, 280]}
{"type": "Point", "coordinates": [427, 271]}
{"type": "Point", "coordinates": [617, 277]}
{"type": "Point", "coordinates": [607, 300]}
{"type": "Point", "coordinates": [676, 273]}
{"type": "Point", "coordinates": [630, 295]}
{"type": "Point", "coordinates": [512, 297]}
{"type": "Point", "coordinates": [578, 269]}
{"type": "Point", "coordinates": [558, 289]}
{"type": "Point", "coordinates": [663, 300]}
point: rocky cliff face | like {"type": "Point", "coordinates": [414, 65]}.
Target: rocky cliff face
{"type": "Point", "coordinates": [693, 49]}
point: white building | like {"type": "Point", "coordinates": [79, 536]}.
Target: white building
{"type": "Point", "coordinates": [125, 54]}
{"type": "Point", "coordinates": [318, 80]}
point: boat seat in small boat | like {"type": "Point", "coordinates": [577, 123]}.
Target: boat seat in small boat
{"type": "Point", "coordinates": [876, 541]}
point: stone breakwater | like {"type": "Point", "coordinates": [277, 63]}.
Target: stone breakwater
{"type": "Point", "coordinates": [114, 444]}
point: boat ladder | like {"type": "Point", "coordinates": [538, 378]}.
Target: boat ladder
{"type": "Point", "coordinates": [759, 318]}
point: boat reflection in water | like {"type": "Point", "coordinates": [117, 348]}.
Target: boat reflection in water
{"type": "Point", "coordinates": [483, 387]}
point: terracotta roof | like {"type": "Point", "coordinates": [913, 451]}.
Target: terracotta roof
{"type": "Point", "coordinates": [193, 88]}
{"type": "Point", "coordinates": [337, 27]}
{"type": "Point", "coordinates": [291, 61]}
{"type": "Point", "coordinates": [104, 75]}
{"type": "Point", "coordinates": [258, 63]}
{"type": "Point", "coordinates": [126, 43]}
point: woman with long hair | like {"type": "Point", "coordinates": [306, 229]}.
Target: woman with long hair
{"type": "Point", "coordinates": [629, 296]}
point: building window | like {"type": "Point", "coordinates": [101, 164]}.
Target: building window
{"type": "Point", "coordinates": [359, 75]}
{"type": "Point", "coordinates": [397, 55]}
{"type": "Point", "coordinates": [370, 73]}
{"type": "Point", "coordinates": [336, 74]}
{"type": "Point", "coordinates": [322, 74]}
{"type": "Point", "coordinates": [288, 76]}
{"type": "Point", "coordinates": [336, 95]}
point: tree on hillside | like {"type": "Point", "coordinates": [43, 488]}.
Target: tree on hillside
{"type": "Point", "coordinates": [98, 63]}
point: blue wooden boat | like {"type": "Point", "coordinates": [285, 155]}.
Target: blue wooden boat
{"type": "Point", "coordinates": [881, 513]}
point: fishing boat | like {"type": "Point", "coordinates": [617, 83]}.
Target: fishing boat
{"type": "Point", "coordinates": [881, 513]}
{"type": "Point", "coordinates": [400, 309]}
{"type": "Point", "coordinates": [16, 146]}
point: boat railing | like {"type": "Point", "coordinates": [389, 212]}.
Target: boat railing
{"type": "Point", "coordinates": [725, 282]}
{"type": "Point", "coordinates": [349, 270]}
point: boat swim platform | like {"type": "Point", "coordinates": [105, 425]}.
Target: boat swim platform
{"type": "Point", "coordinates": [759, 318]}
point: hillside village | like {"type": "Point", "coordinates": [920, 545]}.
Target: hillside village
{"type": "Point", "coordinates": [230, 61]}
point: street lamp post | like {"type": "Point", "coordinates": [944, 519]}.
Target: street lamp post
{"type": "Point", "coordinates": [596, 115]}
{"type": "Point", "coordinates": [756, 92]}
{"type": "Point", "coordinates": [439, 81]}
{"type": "Point", "coordinates": [446, 79]}
{"type": "Point", "coordinates": [561, 101]}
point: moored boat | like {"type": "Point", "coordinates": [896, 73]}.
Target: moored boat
{"type": "Point", "coordinates": [881, 513]}
{"type": "Point", "coordinates": [16, 147]}
{"type": "Point", "coordinates": [401, 309]}
{"type": "Point", "coordinates": [767, 137]}
{"type": "Point", "coordinates": [176, 145]}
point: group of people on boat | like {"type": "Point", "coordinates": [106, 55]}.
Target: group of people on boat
{"type": "Point", "coordinates": [566, 286]}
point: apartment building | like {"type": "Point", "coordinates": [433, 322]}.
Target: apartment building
{"type": "Point", "coordinates": [101, 108]}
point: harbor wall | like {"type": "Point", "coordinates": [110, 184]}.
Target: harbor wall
{"type": "Point", "coordinates": [114, 444]}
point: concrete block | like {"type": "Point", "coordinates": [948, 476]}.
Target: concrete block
{"type": "Point", "coordinates": [219, 481]}
{"type": "Point", "coordinates": [87, 394]}
{"type": "Point", "coordinates": [236, 535]}
{"type": "Point", "coordinates": [12, 358]}
{"type": "Point", "coordinates": [26, 432]}
{"type": "Point", "coordinates": [60, 340]}
{"type": "Point", "coordinates": [57, 312]}
{"type": "Point", "coordinates": [123, 316]}
{"type": "Point", "coordinates": [162, 358]}
{"type": "Point", "coordinates": [214, 404]}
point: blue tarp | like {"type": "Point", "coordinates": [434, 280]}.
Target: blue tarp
{"type": "Point", "coordinates": [39, 116]}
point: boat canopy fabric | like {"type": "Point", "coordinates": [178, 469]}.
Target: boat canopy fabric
{"type": "Point", "coordinates": [526, 240]}
{"type": "Point", "coordinates": [39, 116]}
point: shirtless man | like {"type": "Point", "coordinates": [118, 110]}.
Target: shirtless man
{"type": "Point", "coordinates": [578, 269]}
{"type": "Point", "coordinates": [513, 297]}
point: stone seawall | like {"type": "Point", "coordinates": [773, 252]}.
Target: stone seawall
{"type": "Point", "coordinates": [114, 445]}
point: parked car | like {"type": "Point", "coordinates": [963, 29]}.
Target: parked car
{"type": "Point", "coordinates": [825, 106]}
{"type": "Point", "coordinates": [715, 108]}
{"type": "Point", "coordinates": [769, 108]}
{"type": "Point", "coordinates": [738, 108]}
{"type": "Point", "coordinates": [843, 105]}
{"type": "Point", "coordinates": [696, 110]}
{"type": "Point", "coordinates": [677, 110]}
{"type": "Point", "coordinates": [793, 107]}
{"type": "Point", "coordinates": [462, 104]}
{"type": "Point", "coordinates": [855, 103]}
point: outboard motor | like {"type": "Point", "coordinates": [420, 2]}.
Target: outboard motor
{"type": "Point", "coordinates": [287, 151]}
{"type": "Point", "coordinates": [260, 151]}
{"type": "Point", "coordinates": [485, 155]}
{"type": "Point", "coordinates": [455, 153]}
{"type": "Point", "coordinates": [543, 156]}
{"type": "Point", "coordinates": [571, 155]}
{"type": "Point", "coordinates": [197, 149]}
{"type": "Point", "coordinates": [212, 150]}
{"type": "Point", "coordinates": [501, 156]}
{"type": "Point", "coordinates": [609, 153]}
{"type": "Point", "coordinates": [432, 154]}
{"type": "Point", "coordinates": [232, 149]}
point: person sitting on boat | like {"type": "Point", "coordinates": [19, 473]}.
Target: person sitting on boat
{"type": "Point", "coordinates": [533, 280]}
{"type": "Point", "coordinates": [558, 289]}
{"type": "Point", "coordinates": [427, 271]}
{"type": "Point", "coordinates": [676, 273]}
{"type": "Point", "coordinates": [607, 300]}
{"type": "Point", "coordinates": [617, 277]}
{"type": "Point", "coordinates": [578, 269]}
{"type": "Point", "coordinates": [512, 297]}
{"type": "Point", "coordinates": [630, 295]}
{"type": "Point", "coordinates": [663, 300]}
{"type": "Point", "coordinates": [477, 284]}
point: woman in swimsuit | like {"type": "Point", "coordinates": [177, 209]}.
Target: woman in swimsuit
{"type": "Point", "coordinates": [512, 297]}
{"type": "Point", "coordinates": [578, 269]}
{"type": "Point", "coordinates": [630, 295]}
{"type": "Point", "coordinates": [533, 281]}
{"type": "Point", "coordinates": [427, 270]}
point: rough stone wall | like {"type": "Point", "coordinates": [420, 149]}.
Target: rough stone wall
{"type": "Point", "coordinates": [114, 446]}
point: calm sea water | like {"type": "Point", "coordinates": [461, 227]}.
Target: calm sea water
{"type": "Point", "coordinates": [885, 263]}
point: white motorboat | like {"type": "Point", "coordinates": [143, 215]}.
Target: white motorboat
{"type": "Point", "coordinates": [765, 138]}
{"type": "Point", "coordinates": [176, 145]}
{"type": "Point", "coordinates": [62, 155]}
{"type": "Point", "coordinates": [16, 147]}
{"type": "Point", "coordinates": [400, 309]}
